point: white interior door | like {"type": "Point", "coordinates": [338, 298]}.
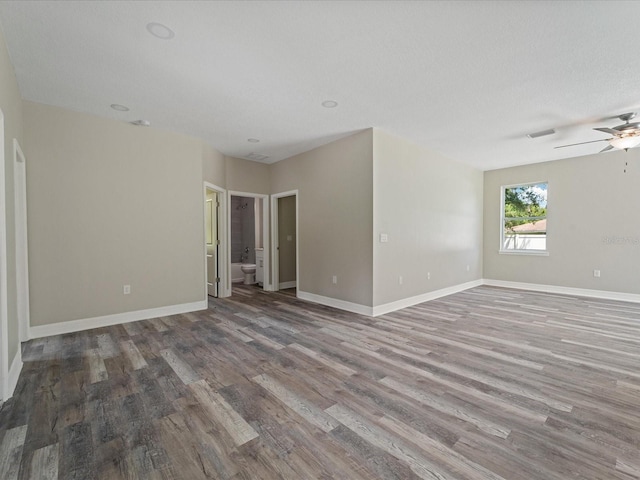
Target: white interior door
{"type": "Point", "coordinates": [213, 242]}
{"type": "Point", "coordinates": [22, 257]}
{"type": "Point", "coordinates": [4, 328]}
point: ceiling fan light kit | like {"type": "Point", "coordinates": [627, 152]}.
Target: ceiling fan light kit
{"type": "Point", "coordinates": [625, 136]}
{"type": "Point", "coordinates": [626, 142]}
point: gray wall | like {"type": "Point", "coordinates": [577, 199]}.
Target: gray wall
{"type": "Point", "coordinates": [11, 105]}
{"type": "Point", "coordinates": [335, 184]}
{"type": "Point", "coordinates": [592, 223]}
{"type": "Point", "coordinates": [110, 204]}
{"type": "Point", "coordinates": [431, 209]}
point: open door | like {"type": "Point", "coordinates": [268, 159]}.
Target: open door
{"type": "Point", "coordinates": [212, 209]}
{"type": "Point", "coordinates": [284, 229]}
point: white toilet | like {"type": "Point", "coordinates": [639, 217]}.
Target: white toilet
{"type": "Point", "coordinates": [249, 270]}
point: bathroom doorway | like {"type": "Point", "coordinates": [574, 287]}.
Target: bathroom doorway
{"type": "Point", "coordinates": [249, 240]}
{"type": "Point", "coordinates": [284, 230]}
{"type": "Point", "coordinates": [216, 283]}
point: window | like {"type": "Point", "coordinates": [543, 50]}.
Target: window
{"type": "Point", "coordinates": [524, 218]}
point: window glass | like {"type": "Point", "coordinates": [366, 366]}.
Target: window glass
{"type": "Point", "coordinates": [524, 217]}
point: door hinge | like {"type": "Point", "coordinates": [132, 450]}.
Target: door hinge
{"type": "Point", "coordinates": [217, 280]}
{"type": "Point", "coordinates": [217, 242]}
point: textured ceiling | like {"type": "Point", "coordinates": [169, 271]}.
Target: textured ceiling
{"type": "Point", "coordinates": [466, 79]}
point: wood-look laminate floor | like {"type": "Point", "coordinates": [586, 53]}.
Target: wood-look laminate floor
{"type": "Point", "coordinates": [489, 383]}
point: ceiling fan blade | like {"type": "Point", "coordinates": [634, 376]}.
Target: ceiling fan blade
{"type": "Point", "coordinates": [608, 147]}
{"type": "Point", "coordinates": [582, 143]}
{"type": "Point", "coordinates": [608, 130]}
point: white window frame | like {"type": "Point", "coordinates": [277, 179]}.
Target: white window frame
{"type": "Point", "coordinates": [504, 251]}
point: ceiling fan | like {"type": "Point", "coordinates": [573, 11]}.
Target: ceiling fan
{"type": "Point", "coordinates": [624, 137]}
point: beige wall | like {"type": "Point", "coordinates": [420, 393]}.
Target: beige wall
{"type": "Point", "coordinates": [287, 239]}
{"type": "Point", "coordinates": [110, 204]}
{"type": "Point", "coordinates": [213, 166]}
{"type": "Point", "coordinates": [335, 190]}
{"type": "Point", "coordinates": [431, 209]}
{"type": "Point", "coordinates": [11, 105]}
{"type": "Point", "coordinates": [247, 176]}
{"type": "Point", "coordinates": [593, 223]}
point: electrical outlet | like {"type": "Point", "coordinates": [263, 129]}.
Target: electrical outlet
{"type": "Point", "coordinates": [384, 238]}
{"type": "Point", "coordinates": [428, 275]}
{"type": "Point", "coordinates": [126, 289]}
{"type": "Point", "coordinates": [468, 268]}
{"type": "Point", "coordinates": [334, 280]}
{"type": "Point", "coordinates": [596, 273]}
{"type": "Point", "coordinates": [400, 280]}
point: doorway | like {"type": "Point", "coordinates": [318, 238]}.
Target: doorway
{"type": "Point", "coordinates": [248, 241]}
{"type": "Point", "coordinates": [216, 284]}
{"type": "Point", "coordinates": [284, 228]}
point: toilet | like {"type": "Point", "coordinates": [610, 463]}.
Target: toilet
{"type": "Point", "coordinates": [249, 270]}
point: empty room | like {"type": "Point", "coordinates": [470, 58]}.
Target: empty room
{"type": "Point", "coordinates": [298, 240]}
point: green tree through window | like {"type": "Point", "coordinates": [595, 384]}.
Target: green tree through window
{"type": "Point", "coordinates": [524, 217]}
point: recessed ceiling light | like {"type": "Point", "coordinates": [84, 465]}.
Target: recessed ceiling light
{"type": "Point", "coordinates": [329, 104]}
{"type": "Point", "coordinates": [120, 108]}
{"type": "Point", "coordinates": [160, 31]}
{"type": "Point", "coordinates": [141, 123]}
{"type": "Point", "coordinates": [252, 140]}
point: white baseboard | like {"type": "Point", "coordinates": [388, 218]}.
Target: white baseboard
{"type": "Point", "coordinates": [424, 297]}
{"type": "Point", "coordinates": [284, 285]}
{"type": "Point", "coordinates": [14, 374]}
{"type": "Point", "coordinates": [336, 303]}
{"type": "Point", "coordinates": [579, 292]}
{"type": "Point", "coordinates": [387, 307]}
{"type": "Point", "coordinates": [108, 320]}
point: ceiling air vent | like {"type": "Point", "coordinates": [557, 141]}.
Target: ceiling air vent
{"type": "Point", "coordinates": [256, 157]}
{"type": "Point", "coordinates": [543, 133]}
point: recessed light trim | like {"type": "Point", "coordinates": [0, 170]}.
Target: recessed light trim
{"type": "Point", "coordinates": [141, 123]}
{"type": "Point", "coordinates": [160, 31]}
{"type": "Point", "coordinates": [329, 104]}
{"type": "Point", "coordinates": [253, 140]}
{"type": "Point", "coordinates": [119, 108]}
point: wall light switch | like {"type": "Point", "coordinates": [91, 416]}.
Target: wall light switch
{"type": "Point", "coordinates": [596, 273]}
{"type": "Point", "coordinates": [126, 289]}
{"type": "Point", "coordinates": [334, 280]}
{"type": "Point", "coordinates": [384, 238]}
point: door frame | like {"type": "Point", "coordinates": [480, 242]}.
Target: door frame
{"type": "Point", "coordinates": [21, 239]}
{"type": "Point", "coordinates": [4, 314]}
{"type": "Point", "coordinates": [224, 287]}
{"type": "Point", "coordinates": [266, 284]}
{"type": "Point", "coordinates": [275, 274]}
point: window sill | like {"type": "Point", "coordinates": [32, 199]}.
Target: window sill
{"type": "Point", "coordinates": [539, 253]}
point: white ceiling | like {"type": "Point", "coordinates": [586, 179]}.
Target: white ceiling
{"type": "Point", "coordinates": [468, 79]}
